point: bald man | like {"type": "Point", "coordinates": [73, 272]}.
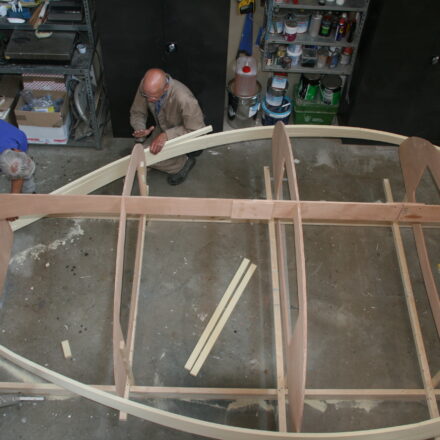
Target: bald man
{"type": "Point", "coordinates": [175, 111]}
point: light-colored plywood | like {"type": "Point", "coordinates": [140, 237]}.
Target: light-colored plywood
{"type": "Point", "coordinates": [217, 314]}
{"type": "Point", "coordinates": [416, 431]}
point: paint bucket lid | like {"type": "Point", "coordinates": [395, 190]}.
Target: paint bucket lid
{"type": "Point", "coordinates": [282, 111]}
{"type": "Point", "coordinates": [313, 78]}
{"type": "Point", "coordinates": [331, 82]}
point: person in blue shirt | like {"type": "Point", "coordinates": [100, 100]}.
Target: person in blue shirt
{"type": "Point", "coordinates": [15, 163]}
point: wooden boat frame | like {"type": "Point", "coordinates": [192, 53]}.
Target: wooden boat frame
{"type": "Point", "coordinates": [416, 155]}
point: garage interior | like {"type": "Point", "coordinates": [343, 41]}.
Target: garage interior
{"type": "Point", "coordinates": [60, 282]}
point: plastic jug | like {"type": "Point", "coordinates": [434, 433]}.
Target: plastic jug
{"type": "Point", "coordinates": [245, 83]}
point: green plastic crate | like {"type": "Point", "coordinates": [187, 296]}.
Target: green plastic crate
{"type": "Point", "coordinates": [313, 112]}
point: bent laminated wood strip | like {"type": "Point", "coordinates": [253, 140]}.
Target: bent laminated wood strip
{"type": "Point", "coordinates": [415, 431]}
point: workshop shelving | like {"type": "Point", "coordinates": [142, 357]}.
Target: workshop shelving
{"type": "Point", "coordinates": [274, 40]}
{"type": "Point", "coordinates": [87, 68]}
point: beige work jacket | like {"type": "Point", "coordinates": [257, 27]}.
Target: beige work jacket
{"type": "Point", "coordinates": [180, 112]}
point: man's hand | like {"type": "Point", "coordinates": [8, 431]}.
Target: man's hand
{"type": "Point", "coordinates": [158, 143]}
{"type": "Point", "coordinates": [142, 133]}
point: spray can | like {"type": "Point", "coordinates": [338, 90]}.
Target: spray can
{"type": "Point", "coordinates": [341, 27]}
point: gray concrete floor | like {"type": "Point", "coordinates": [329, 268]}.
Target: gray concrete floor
{"type": "Point", "coordinates": [60, 286]}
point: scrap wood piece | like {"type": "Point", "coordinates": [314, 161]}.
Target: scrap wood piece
{"type": "Point", "coordinates": [6, 239]}
{"type": "Point", "coordinates": [66, 349]}
{"type": "Point", "coordinates": [217, 314]}
{"type": "Point", "coordinates": [222, 321]}
{"type": "Point", "coordinates": [415, 431]}
{"type": "Point", "coordinates": [412, 311]}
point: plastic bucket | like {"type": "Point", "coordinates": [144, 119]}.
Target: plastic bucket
{"type": "Point", "coordinates": [273, 115]}
{"type": "Point", "coordinates": [242, 110]}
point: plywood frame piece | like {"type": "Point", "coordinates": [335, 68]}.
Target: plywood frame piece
{"type": "Point", "coordinates": [412, 311]}
{"type": "Point", "coordinates": [416, 156]}
{"type": "Point", "coordinates": [283, 164]}
{"type": "Point", "coordinates": [280, 211]}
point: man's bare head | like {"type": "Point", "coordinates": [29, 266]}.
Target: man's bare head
{"type": "Point", "coordinates": [154, 84]}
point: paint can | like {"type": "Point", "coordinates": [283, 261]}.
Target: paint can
{"type": "Point", "coordinates": [308, 86]}
{"type": "Point", "coordinates": [242, 110]}
{"type": "Point", "coordinates": [290, 30]}
{"type": "Point", "coordinates": [294, 51]}
{"type": "Point", "coordinates": [302, 19]}
{"type": "Point", "coordinates": [276, 89]}
{"type": "Point", "coordinates": [282, 113]}
{"type": "Point", "coordinates": [277, 25]}
{"type": "Point", "coordinates": [331, 86]}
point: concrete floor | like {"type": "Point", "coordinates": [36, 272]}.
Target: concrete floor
{"type": "Point", "coordinates": [60, 286]}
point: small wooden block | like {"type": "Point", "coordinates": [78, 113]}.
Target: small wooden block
{"type": "Point", "coordinates": [66, 349]}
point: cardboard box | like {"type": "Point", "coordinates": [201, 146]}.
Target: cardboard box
{"type": "Point", "coordinates": [6, 109]}
{"type": "Point", "coordinates": [45, 127]}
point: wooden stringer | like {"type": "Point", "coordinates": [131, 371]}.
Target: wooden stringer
{"type": "Point", "coordinates": [123, 349]}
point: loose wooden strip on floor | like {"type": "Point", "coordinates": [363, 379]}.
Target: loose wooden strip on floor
{"type": "Point", "coordinates": [217, 313]}
{"type": "Point", "coordinates": [222, 321]}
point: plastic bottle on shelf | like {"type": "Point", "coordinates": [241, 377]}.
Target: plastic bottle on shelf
{"type": "Point", "coordinates": [315, 24]}
{"type": "Point", "coordinates": [245, 83]}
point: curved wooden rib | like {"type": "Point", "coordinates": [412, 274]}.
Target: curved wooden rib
{"type": "Point", "coordinates": [283, 163]}
{"type": "Point", "coordinates": [416, 156]}
{"type": "Point", "coordinates": [182, 145]}
{"type": "Point", "coordinates": [416, 431]}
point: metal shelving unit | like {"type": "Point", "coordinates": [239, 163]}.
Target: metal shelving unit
{"type": "Point", "coordinates": [305, 39]}
{"type": "Point", "coordinates": [87, 67]}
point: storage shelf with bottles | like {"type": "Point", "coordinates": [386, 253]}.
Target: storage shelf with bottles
{"type": "Point", "coordinates": [349, 5]}
{"type": "Point", "coordinates": [307, 26]}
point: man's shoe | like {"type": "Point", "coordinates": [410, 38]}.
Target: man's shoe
{"type": "Point", "coordinates": [178, 178]}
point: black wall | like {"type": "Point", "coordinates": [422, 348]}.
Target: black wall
{"type": "Point", "coordinates": [135, 36]}
{"type": "Point", "coordinates": [394, 86]}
